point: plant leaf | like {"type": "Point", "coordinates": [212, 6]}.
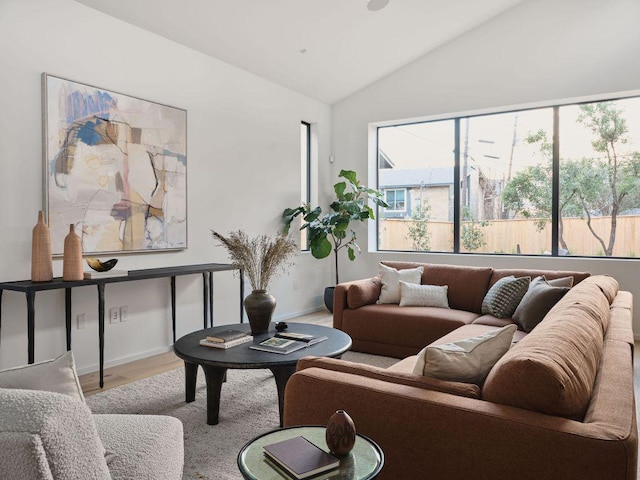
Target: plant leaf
{"type": "Point", "coordinates": [321, 248]}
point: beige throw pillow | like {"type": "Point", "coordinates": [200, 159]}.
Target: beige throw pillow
{"type": "Point", "coordinates": [57, 375]}
{"type": "Point", "coordinates": [412, 295]}
{"type": "Point", "coordinates": [468, 360]}
{"type": "Point", "coordinates": [390, 291]}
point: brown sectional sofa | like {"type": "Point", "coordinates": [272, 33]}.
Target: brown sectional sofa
{"type": "Point", "coordinates": [558, 405]}
{"type": "Point", "coordinates": [396, 331]}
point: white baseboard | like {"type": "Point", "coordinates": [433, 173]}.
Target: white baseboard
{"type": "Point", "coordinates": [291, 315]}
{"type": "Point", "coordinates": [119, 361]}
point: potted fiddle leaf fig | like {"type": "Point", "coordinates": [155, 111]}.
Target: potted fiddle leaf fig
{"type": "Point", "coordinates": [331, 232]}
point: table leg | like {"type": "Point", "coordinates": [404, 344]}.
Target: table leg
{"type": "Point", "coordinates": [241, 296]}
{"type": "Point", "coordinates": [282, 375]}
{"type": "Point", "coordinates": [67, 311]}
{"type": "Point", "coordinates": [173, 307]}
{"type": "Point", "coordinates": [211, 299]}
{"type": "Point", "coordinates": [190, 378]}
{"type": "Point", "coordinates": [215, 376]}
{"type": "Point", "coordinates": [31, 298]}
{"type": "Point", "coordinates": [205, 295]}
{"type": "Point", "coordinates": [101, 330]}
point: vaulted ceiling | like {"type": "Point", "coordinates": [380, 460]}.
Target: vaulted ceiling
{"type": "Point", "coordinates": [325, 49]}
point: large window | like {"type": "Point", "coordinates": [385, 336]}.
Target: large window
{"type": "Point", "coordinates": [561, 180]}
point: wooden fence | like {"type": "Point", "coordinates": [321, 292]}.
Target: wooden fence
{"type": "Point", "coordinates": [505, 236]}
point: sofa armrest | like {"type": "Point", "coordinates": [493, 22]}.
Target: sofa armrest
{"type": "Point", "coordinates": [399, 378]}
{"type": "Point", "coordinates": [353, 295]}
{"type": "Point", "coordinates": [58, 431]}
{"type": "Point", "coordinates": [451, 436]}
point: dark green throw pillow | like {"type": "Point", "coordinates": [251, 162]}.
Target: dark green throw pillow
{"type": "Point", "coordinates": [539, 299]}
{"type": "Point", "coordinates": [503, 298]}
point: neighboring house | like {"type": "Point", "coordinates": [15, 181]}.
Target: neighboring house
{"type": "Point", "coordinates": [404, 190]}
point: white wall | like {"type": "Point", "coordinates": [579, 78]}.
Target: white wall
{"type": "Point", "coordinates": [542, 50]}
{"type": "Point", "coordinates": [243, 170]}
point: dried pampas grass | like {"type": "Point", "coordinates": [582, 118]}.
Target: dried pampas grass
{"type": "Point", "coordinates": [261, 257]}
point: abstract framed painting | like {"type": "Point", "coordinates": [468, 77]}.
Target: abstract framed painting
{"type": "Point", "coordinates": [115, 167]}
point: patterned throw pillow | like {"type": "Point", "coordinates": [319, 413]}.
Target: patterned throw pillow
{"type": "Point", "coordinates": [504, 297]}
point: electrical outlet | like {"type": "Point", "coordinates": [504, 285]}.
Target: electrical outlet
{"type": "Point", "coordinates": [124, 313]}
{"type": "Point", "coordinates": [81, 320]}
{"type": "Point", "coordinates": [114, 315]}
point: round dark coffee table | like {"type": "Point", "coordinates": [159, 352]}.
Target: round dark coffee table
{"type": "Point", "coordinates": [215, 362]}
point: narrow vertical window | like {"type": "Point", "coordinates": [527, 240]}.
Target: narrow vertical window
{"type": "Point", "coordinates": [305, 174]}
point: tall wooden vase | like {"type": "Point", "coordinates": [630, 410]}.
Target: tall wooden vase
{"type": "Point", "coordinates": [41, 263]}
{"type": "Point", "coordinates": [72, 268]}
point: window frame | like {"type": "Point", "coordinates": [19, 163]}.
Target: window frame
{"type": "Point", "coordinates": [396, 189]}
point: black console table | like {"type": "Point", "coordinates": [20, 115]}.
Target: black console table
{"type": "Point", "coordinates": [30, 288]}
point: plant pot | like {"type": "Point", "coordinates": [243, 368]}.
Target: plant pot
{"type": "Point", "coordinates": [259, 306]}
{"type": "Point", "coordinates": [328, 298]}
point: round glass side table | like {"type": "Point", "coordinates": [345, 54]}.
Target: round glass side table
{"type": "Point", "coordinates": [363, 462]}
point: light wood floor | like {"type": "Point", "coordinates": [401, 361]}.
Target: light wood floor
{"type": "Point", "coordinates": [147, 367]}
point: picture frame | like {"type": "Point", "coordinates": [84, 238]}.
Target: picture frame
{"type": "Point", "coordinates": [115, 167]}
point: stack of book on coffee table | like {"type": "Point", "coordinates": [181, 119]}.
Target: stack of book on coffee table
{"type": "Point", "coordinates": [226, 339]}
{"type": "Point", "coordinates": [300, 458]}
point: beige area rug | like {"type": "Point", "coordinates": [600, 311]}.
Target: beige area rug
{"type": "Point", "coordinates": [249, 407]}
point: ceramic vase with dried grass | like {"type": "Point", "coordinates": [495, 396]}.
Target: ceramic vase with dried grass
{"type": "Point", "coordinates": [72, 268]}
{"type": "Point", "coordinates": [41, 263]}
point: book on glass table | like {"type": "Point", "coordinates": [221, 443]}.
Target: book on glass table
{"type": "Point", "coordinates": [301, 337]}
{"type": "Point", "coordinates": [226, 335]}
{"type": "Point", "coordinates": [224, 345]}
{"type": "Point", "coordinates": [300, 458]}
{"type": "Point", "coordinates": [279, 345]}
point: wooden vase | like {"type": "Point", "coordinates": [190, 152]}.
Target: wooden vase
{"type": "Point", "coordinates": [72, 268]}
{"type": "Point", "coordinates": [341, 433]}
{"type": "Point", "coordinates": [41, 263]}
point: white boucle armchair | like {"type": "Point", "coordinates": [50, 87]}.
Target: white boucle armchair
{"type": "Point", "coordinates": [52, 436]}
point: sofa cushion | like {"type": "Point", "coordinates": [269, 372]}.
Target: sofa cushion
{"type": "Point", "coordinates": [468, 360]}
{"type": "Point", "coordinates": [552, 370]}
{"type": "Point", "coordinates": [145, 446]}
{"type": "Point", "coordinates": [536, 303]}
{"type": "Point", "coordinates": [57, 375]}
{"type": "Point", "coordinates": [503, 297]}
{"type": "Point", "coordinates": [467, 285]}
{"type": "Point", "coordinates": [412, 295]}
{"type": "Point", "coordinates": [365, 292]}
{"type": "Point", "coordinates": [390, 291]}
{"type": "Point", "coordinates": [399, 374]}
{"type": "Point", "coordinates": [409, 328]}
